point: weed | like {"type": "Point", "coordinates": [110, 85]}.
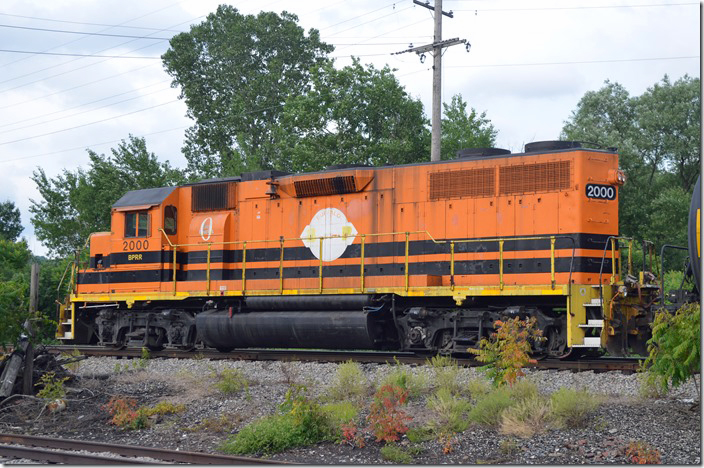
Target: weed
{"type": "Point", "coordinates": [164, 407]}
{"type": "Point", "coordinates": [524, 390]}
{"type": "Point", "coordinates": [386, 419]}
{"type": "Point", "coordinates": [143, 360]}
{"type": "Point", "coordinates": [478, 387]}
{"type": "Point", "coordinates": [401, 376]}
{"type": "Point", "coordinates": [420, 434]}
{"type": "Point", "coordinates": [570, 408]}
{"type": "Point", "coordinates": [447, 439]}
{"type": "Point", "coordinates": [642, 453]}
{"type": "Point", "coordinates": [52, 388]}
{"type": "Point", "coordinates": [396, 454]}
{"type": "Point", "coordinates": [508, 447]}
{"type": "Point", "coordinates": [650, 384]}
{"type": "Point", "coordinates": [125, 414]}
{"type": "Point", "coordinates": [507, 352]}
{"type": "Point", "coordinates": [223, 423]}
{"type": "Point", "coordinates": [446, 373]}
{"type": "Point", "coordinates": [118, 368]}
{"type": "Point", "coordinates": [526, 418]}
{"type": "Point", "coordinates": [450, 409]}
{"type": "Point", "coordinates": [340, 413]}
{"type": "Point", "coordinates": [488, 408]}
{"type": "Point", "coordinates": [349, 383]}
{"type": "Point", "coordinates": [299, 422]}
{"type": "Point", "coordinates": [231, 382]}
{"type": "Point", "coordinates": [199, 356]}
{"type": "Point", "coordinates": [351, 435]}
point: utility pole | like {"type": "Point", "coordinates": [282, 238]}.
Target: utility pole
{"type": "Point", "coordinates": [436, 47]}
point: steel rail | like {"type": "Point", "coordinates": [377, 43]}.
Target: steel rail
{"type": "Point", "coordinates": [166, 455]}
{"type": "Point", "coordinates": [603, 364]}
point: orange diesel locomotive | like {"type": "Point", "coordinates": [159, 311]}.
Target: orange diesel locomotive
{"type": "Point", "coordinates": [420, 257]}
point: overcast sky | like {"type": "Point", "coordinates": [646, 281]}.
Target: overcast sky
{"type": "Point", "coordinates": [530, 62]}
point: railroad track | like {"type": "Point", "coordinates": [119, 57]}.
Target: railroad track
{"type": "Point", "coordinates": [50, 450]}
{"type": "Point", "coordinates": [603, 364]}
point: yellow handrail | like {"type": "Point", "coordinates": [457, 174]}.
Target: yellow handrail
{"type": "Point", "coordinates": [282, 240]}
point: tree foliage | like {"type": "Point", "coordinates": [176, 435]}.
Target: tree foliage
{"type": "Point", "coordinates": [76, 203]}
{"type": "Point", "coordinates": [358, 114]}
{"type": "Point", "coordinates": [657, 136]}
{"type": "Point", "coordinates": [461, 129]}
{"type": "Point", "coordinates": [675, 347]}
{"type": "Point", "coordinates": [235, 72]}
{"type": "Point", "coordinates": [10, 222]}
{"type": "Point", "coordinates": [14, 288]}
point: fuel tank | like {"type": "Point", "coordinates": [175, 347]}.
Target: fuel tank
{"type": "Point", "coordinates": [329, 329]}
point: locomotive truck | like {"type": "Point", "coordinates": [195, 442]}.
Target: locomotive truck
{"type": "Point", "coordinates": [420, 257]}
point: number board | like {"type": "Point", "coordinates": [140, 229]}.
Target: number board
{"type": "Point", "coordinates": [602, 192]}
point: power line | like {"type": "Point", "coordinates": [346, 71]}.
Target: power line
{"type": "Point", "coordinates": [83, 32]}
{"type": "Point", "coordinates": [93, 24]}
{"type": "Point", "coordinates": [71, 89]}
{"type": "Point", "coordinates": [574, 63]}
{"type": "Point", "coordinates": [82, 112]}
{"type": "Point", "coordinates": [575, 8]}
{"type": "Point", "coordinates": [87, 124]}
{"type": "Point", "coordinates": [79, 55]}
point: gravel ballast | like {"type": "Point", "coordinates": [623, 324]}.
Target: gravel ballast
{"type": "Point", "coordinates": [670, 424]}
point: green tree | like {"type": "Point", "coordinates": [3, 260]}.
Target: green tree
{"type": "Point", "coordinates": [357, 114]}
{"type": "Point", "coordinates": [657, 136]}
{"type": "Point", "coordinates": [10, 223]}
{"type": "Point", "coordinates": [235, 72]}
{"type": "Point", "coordinates": [464, 130]}
{"type": "Point", "coordinates": [14, 288]}
{"type": "Point", "coordinates": [75, 204]}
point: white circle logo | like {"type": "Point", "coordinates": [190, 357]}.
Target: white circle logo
{"type": "Point", "coordinates": [206, 228]}
{"type": "Point", "coordinates": [337, 233]}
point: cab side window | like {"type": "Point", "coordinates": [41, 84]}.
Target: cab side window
{"type": "Point", "coordinates": [170, 219]}
{"type": "Point", "coordinates": [136, 224]}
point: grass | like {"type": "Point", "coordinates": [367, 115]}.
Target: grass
{"type": "Point", "coordinates": [451, 411]}
{"type": "Point", "coordinates": [526, 418]}
{"type": "Point", "coordinates": [401, 376]}
{"type": "Point", "coordinates": [446, 373]}
{"type": "Point", "coordinates": [222, 423]}
{"type": "Point", "coordinates": [349, 384]}
{"type": "Point", "coordinates": [524, 390]}
{"type": "Point", "coordinates": [340, 413]}
{"type": "Point", "coordinates": [488, 408]}
{"type": "Point", "coordinates": [420, 434]}
{"type": "Point", "coordinates": [165, 407]}
{"type": "Point", "coordinates": [232, 382]}
{"type": "Point", "coordinates": [396, 454]}
{"type": "Point", "coordinates": [570, 408]}
{"type": "Point", "coordinates": [478, 388]}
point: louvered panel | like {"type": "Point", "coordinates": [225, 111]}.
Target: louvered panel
{"type": "Point", "coordinates": [464, 183]}
{"type": "Point", "coordinates": [213, 197]}
{"type": "Point", "coordinates": [540, 177]}
{"type": "Point", "coordinates": [322, 187]}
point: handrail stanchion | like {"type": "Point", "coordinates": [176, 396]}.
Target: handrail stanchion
{"type": "Point", "coordinates": [501, 264]}
{"type": "Point", "coordinates": [281, 266]}
{"type": "Point", "coordinates": [173, 270]}
{"type": "Point", "coordinates": [361, 264]}
{"type": "Point", "coordinates": [452, 265]}
{"type": "Point", "coordinates": [244, 267]}
{"type": "Point", "coordinates": [207, 272]}
{"type": "Point", "coordinates": [630, 257]}
{"type": "Point", "coordinates": [405, 270]}
{"type": "Point", "coordinates": [320, 271]}
{"type": "Point", "coordinates": [552, 261]}
{"type": "Point", "coordinates": [613, 260]}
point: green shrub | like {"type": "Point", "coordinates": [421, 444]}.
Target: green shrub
{"type": "Point", "coordinates": [349, 383]}
{"type": "Point", "coordinates": [478, 387]}
{"type": "Point", "coordinates": [387, 420]}
{"type": "Point", "coordinates": [446, 373]}
{"type": "Point", "coordinates": [340, 413]}
{"type": "Point", "coordinates": [420, 434]}
{"type": "Point", "coordinates": [231, 382]}
{"type": "Point", "coordinates": [488, 409]}
{"type": "Point", "coordinates": [524, 390]}
{"type": "Point", "coordinates": [402, 377]}
{"type": "Point", "coordinates": [52, 387]}
{"type": "Point", "coordinates": [396, 454]}
{"type": "Point", "coordinates": [570, 408]}
{"type": "Point", "coordinates": [164, 407]}
{"type": "Point", "coordinates": [451, 411]}
{"type": "Point", "coordinates": [299, 422]}
{"type": "Point", "coordinates": [675, 348]}
{"type": "Point", "coordinates": [526, 417]}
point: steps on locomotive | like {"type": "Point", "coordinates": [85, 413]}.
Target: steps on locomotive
{"type": "Point", "coordinates": [593, 323]}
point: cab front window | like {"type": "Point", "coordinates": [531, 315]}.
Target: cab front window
{"type": "Point", "coordinates": [136, 224]}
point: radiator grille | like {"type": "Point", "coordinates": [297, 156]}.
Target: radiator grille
{"type": "Point", "coordinates": [465, 183]}
{"type": "Point", "coordinates": [328, 186]}
{"type": "Point", "coordinates": [213, 197]}
{"type": "Point", "coordinates": [540, 177]}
